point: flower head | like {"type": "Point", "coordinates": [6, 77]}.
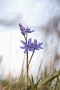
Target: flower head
{"type": "Point", "coordinates": [26, 46]}
{"type": "Point", "coordinates": [31, 46]}
{"type": "Point", "coordinates": [25, 30]}
{"type": "Point", "coordinates": [37, 46]}
{"type": "Point", "coordinates": [28, 30]}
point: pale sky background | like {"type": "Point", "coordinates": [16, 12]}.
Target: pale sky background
{"type": "Point", "coordinates": [31, 13]}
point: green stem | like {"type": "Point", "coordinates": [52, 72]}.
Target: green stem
{"type": "Point", "coordinates": [31, 58]}
{"type": "Point", "coordinates": [27, 64]}
{"type": "Point", "coordinates": [27, 69]}
{"type": "Point", "coordinates": [24, 37]}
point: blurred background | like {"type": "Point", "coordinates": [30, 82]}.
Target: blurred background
{"type": "Point", "coordinates": [41, 15]}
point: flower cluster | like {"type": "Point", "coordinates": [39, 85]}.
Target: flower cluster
{"type": "Point", "coordinates": [29, 45]}
{"type": "Point", "coordinates": [25, 30]}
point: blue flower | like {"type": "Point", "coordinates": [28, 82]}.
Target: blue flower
{"type": "Point", "coordinates": [36, 45]}
{"type": "Point", "coordinates": [26, 45]}
{"type": "Point", "coordinates": [31, 46]}
{"type": "Point", "coordinates": [25, 30]}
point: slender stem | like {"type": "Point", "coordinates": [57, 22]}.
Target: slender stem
{"type": "Point", "coordinates": [31, 58]}
{"type": "Point", "coordinates": [24, 37]}
{"type": "Point", "coordinates": [27, 64]}
{"type": "Point", "coordinates": [27, 69]}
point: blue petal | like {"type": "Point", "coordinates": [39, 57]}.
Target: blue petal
{"type": "Point", "coordinates": [23, 42]}
{"type": "Point", "coordinates": [39, 45]}
{"type": "Point", "coordinates": [21, 27]}
{"type": "Point", "coordinates": [23, 32]}
{"type": "Point", "coordinates": [26, 50]}
{"type": "Point", "coordinates": [31, 49]}
{"type": "Point", "coordinates": [32, 31]}
{"type": "Point", "coordinates": [22, 47]}
{"type": "Point", "coordinates": [29, 41]}
{"type": "Point", "coordinates": [41, 48]}
{"type": "Point", "coordinates": [28, 30]}
{"type": "Point", "coordinates": [35, 42]}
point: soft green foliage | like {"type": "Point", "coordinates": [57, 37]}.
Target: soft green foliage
{"type": "Point", "coordinates": [43, 81]}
